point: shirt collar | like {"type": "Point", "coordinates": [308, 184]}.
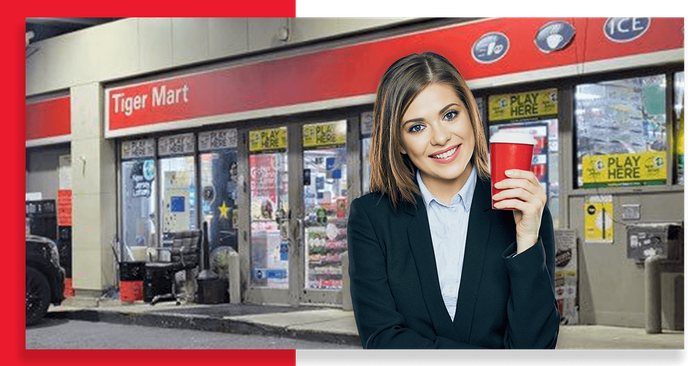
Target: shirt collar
{"type": "Point", "coordinates": [466, 193]}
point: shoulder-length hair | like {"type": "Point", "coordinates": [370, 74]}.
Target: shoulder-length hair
{"type": "Point", "coordinates": [391, 172]}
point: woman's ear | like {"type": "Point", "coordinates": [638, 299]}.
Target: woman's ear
{"type": "Point", "coordinates": [402, 150]}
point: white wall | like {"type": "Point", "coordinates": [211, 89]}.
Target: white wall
{"type": "Point", "coordinates": [135, 46]}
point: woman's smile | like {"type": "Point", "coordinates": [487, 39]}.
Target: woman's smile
{"type": "Point", "coordinates": [447, 155]}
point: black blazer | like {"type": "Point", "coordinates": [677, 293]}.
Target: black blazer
{"type": "Point", "coordinates": [502, 302]}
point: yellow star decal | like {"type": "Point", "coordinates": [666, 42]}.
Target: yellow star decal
{"type": "Point", "coordinates": [223, 211]}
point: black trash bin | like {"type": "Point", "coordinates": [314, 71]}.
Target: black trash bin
{"type": "Point", "coordinates": [158, 281]}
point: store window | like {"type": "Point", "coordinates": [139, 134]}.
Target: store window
{"type": "Point", "coordinates": [219, 188]}
{"type": "Point", "coordinates": [533, 112]}
{"type": "Point", "coordinates": [621, 132]}
{"type": "Point", "coordinates": [138, 192]}
{"type": "Point", "coordinates": [178, 189]}
{"type": "Point", "coordinates": [679, 111]}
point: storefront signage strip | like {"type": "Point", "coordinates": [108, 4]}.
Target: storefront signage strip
{"type": "Point", "coordinates": [355, 70]}
{"type": "Point", "coordinates": [48, 118]}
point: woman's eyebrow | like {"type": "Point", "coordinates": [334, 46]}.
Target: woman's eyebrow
{"type": "Point", "coordinates": [421, 119]}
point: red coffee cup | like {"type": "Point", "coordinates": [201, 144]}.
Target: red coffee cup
{"type": "Point", "coordinates": [509, 150]}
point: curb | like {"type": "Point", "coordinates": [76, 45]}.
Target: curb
{"type": "Point", "coordinates": [202, 323]}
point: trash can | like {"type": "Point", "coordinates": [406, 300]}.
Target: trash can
{"type": "Point", "coordinates": [131, 276]}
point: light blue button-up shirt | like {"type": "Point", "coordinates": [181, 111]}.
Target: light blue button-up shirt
{"type": "Point", "coordinates": [448, 230]}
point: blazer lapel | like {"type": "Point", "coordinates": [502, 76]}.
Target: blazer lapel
{"type": "Point", "coordinates": [422, 247]}
{"type": "Point", "coordinates": [474, 255]}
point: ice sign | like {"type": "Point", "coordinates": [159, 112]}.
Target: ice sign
{"type": "Point", "coordinates": [625, 29]}
{"type": "Point", "coordinates": [491, 47]}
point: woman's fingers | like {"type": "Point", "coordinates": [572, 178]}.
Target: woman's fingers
{"type": "Point", "coordinates": [522, 192]}
{"type": "Point", "coordinates": [521, 184]}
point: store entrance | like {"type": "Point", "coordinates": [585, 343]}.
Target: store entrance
{"type": "Point", "coordinates": [298, 178]}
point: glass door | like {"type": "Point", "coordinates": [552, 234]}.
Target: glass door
{"type": "Point", "coordinates": [325, 182]}
{"type": "Point", "coordinates": [269, 278]}
{"type": "Point", "coordinates": [178, 187]}
{"type": "Point", "coordinates": [298, 178]}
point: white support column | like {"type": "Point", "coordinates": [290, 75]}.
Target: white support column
{"type": "Point", "coordinates": [94, 194]}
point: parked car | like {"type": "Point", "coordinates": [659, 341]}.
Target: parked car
{"type": "Point", "coordinates": [45, 277]}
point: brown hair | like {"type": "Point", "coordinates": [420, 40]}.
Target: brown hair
{"type": "Point", "coordinates": [392, 173]}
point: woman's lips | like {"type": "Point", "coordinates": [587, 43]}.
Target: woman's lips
{"type": "Point", "coordinates": [448, 159]}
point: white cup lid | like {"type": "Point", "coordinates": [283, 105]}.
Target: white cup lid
{"type": "Point", "coordinates": [513, 138]}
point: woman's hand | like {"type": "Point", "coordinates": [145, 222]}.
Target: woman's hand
{"type": "Point", "coordinates": [522, 192]}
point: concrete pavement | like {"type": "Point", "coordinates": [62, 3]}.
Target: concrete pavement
{"type": "Point", "coordinates": [318, 323]}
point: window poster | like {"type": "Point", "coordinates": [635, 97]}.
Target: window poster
{"type": "Point", "coordinates": [531, 104]}
{"type": "Point", "coordinates": [648, 168]}
{"type": "Point", "coordinates": [176, 202]}
{"type": "Point", "coordinates": [598, 211]}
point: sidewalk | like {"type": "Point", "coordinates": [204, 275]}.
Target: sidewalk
{"type": "Point", "coordinates": [318, 323]}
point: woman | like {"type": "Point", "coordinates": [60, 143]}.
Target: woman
{"type": "Point", "coordinates": [432, 265]}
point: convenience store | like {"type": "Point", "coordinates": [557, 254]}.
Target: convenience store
{"type": "Point", "coordinates": [269, 143]}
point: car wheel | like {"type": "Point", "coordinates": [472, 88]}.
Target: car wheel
{"type": "Point", "coordinates": [38, 295]}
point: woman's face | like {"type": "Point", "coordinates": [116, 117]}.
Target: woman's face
{"type": "Point", "coordinates": [437, 135]}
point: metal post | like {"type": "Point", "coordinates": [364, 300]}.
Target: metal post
{"type": "Point", "coordinates": [652, 293]}
{"type": "Point", "coordinates": [347, 301]}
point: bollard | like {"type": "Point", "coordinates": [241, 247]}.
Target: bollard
{"type": "Point", "coordinates": [234, 278]}
{"type": "Point", "coordinates": [652, 293]}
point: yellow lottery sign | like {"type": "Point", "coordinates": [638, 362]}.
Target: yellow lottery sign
{"type": "Point", "coordinates": [270, 139]}
{"type": "Point", "coordinates": [523, 105]}
{"type": "Point", "coordinates": [324, 134]}
{"type": "Point", "coordinates": [649, 167]}
{"type": "Point", "coordinates": [598, 220]}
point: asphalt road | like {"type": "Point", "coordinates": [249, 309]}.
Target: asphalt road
{"type": "Point", "coordinates": [78, 334]}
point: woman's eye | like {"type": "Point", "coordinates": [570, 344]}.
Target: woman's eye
{"type": "Point", "coordinates": [451, 115]}
{"type": "Point", "coordinates": [416, 128]}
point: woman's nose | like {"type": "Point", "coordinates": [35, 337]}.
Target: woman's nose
{"type": "Point", "coordinates": [441, 135]}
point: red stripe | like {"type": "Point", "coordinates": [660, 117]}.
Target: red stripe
{"type": "Point", "coordinates": [50, 118]}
